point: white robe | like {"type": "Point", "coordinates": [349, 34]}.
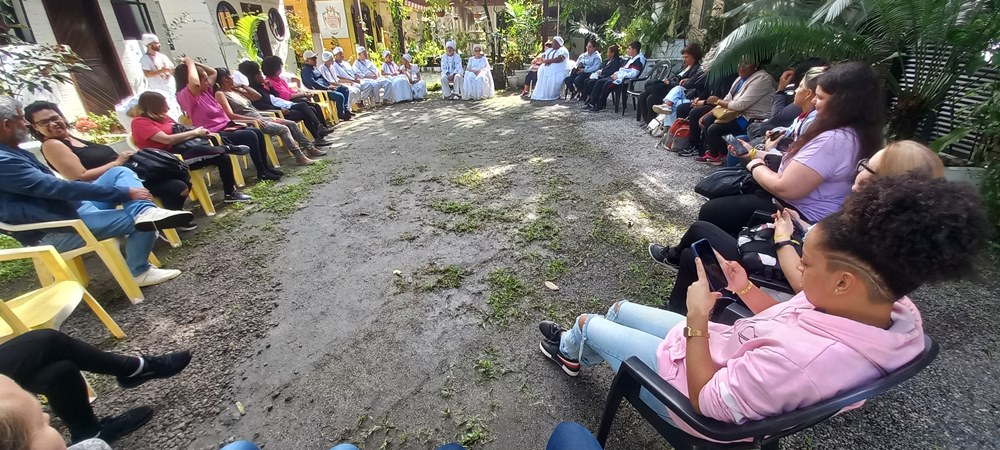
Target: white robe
{"type": "Point", "coordinates": [399, 85]}
{"type": "Point", "coordinates": [475, 87]}
{"type": "Point", "coordinates": [551, 76]}
{"type": "Point", "coordinates": [365, 69]}
{"type": "Point", "coordinates": [358, 91]}
{"type": "Point", "coordinates": [417, 86]}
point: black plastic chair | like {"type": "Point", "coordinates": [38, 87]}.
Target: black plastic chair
{"type": "Point", "coordinates": [766, 433]}
{"type": "Point", "coordinates": [618, 92]}
{"type": "Point", "coordinates": [637, 85]}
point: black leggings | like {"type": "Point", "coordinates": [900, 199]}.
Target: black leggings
{"type": "Point", "coordinates": [713, 133]}
{"type": "Point", "coordinates": [651, 96]}
{"type": "Point", "coordinates": [733, 212]}
{"type": "Point", "coordinates": [722, 242]}
{"type": "Point", "coordinates": [172, 193]}
{"type": "Point", "coordinates": [314, 107]}
{"type": "Point", "coordinates": [301, 112]}
{"type": "Point", "coordinates": [602, 89]}
{"type": "Point", "coordinates": [531, 77]}
{"type": "Point", "coordinates": [253, 138]}
{"type": "Point", "coordinates": [693, 117]}
{"type": "Point", "coordinates": [49, 362]}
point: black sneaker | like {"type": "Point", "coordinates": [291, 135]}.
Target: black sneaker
{"type": "Point", "coordinates": [551, 331]}
{"type": "Point", "coordinates": [162, 366]}
{"type": "Point", "coordinates": [586, 106]}
{"type": "Point", "coordinates": [237, 150]}
{"type": "Point", "coordinates": [236, 196]}
{"type": "Point", "coordinates": [688, 152]}
{"type": "Point", "coordinates": [113, 428]}
{"type": "Point", "coordinates": [665, 255]}
{"type": "Point", "coordinates": [268, 176]}
{"type": "Point", "coordinates": [551, 350]}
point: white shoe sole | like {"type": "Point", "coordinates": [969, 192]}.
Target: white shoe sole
{"type": "Point", "coordinates": [177, 219]}
{"type": "Point", "coordinates": [649, 251]}
{"type": "Point", "coordinates": [148, 283]}
{"type": "Point", "coordinates": [561, 366]}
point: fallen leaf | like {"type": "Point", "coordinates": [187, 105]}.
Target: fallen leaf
{"type": "Point", "coordinates": [551, 286]}
{"type": "Point", "coordinates": [241, 409]}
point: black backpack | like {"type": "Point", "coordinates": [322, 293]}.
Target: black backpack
{"type": "Point", "coordinates": [152, 164]}
{"type": "Point", "coordinates": [758, 255]}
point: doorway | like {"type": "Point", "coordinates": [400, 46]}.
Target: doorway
{"type": "Point", "coordinates": [80, 25]}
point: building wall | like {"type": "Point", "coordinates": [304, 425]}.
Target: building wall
{"type": "Point", "coordinates": [203, 38]}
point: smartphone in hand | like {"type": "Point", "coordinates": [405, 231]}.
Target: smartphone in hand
{"type": "Point", "coordinates": [775, 134]}
{"type": "Point", "coordinates": [716, 277]}
{"type": "Point", "coordinates": [738, 147]}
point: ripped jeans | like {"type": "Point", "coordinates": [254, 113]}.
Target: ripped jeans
{"type": "Point", "coordinates": [627, 330]}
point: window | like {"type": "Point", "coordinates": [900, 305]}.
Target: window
{"type": "Point", "coordinates": [133, 19]}
{"type": "Point", "coordinates": [277, 24]}
{"type": "Point", "coordinates": [250, 8]}
{"type": "Point", "coordinates": [227, 16]}
{"type": "Point", "coordinates": [12, 13]}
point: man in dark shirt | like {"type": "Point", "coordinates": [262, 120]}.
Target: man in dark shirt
{"type": "Point", "coordinates": [312, 79]}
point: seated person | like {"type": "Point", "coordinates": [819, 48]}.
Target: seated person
{"type": "Point", "coordinates": [365, 68]}
{"type": "Point", "coordinates": [697, 90]}
{"type": "Point", "coordinates": [817, 171]}
{"type": "Point", "coordinates": [272, 68]}
{"type": "Point", "coordinates": [552, 72]}
{"type": "Point", "coordinates": [655, 92]}
{"type": "Point", "coordinates": [399, 84]}
{"type": "Point", "coordinates": [313, 79]}
{"type": "Point", "coordinates": [418, 87]}
{"type": "Point", "coordinates": [270, 101]}
{"type": "Point", "coordinates": [532, 76]}
{"type": "Point", "coordinates": [48, 362]}
{"type": "Point", "coordinates": [783, 107]}
{"type": "Point", "coordinates": [851, 324]}
{"type": "Point", "coordinates": [611, 66]}
{"type": "Point", "coordinates": [451, 72]}
{"type": "Point", "coordinates": [478, 79]}
{"type": "Point", "coordinates": [598, 98]}
{"type": "Point", "coordinates": [30, 193]}
{"type": "Point", "coordinates": [76, 159]}
{"type": "Point", "coordinates": [336, 72]}
{"type": "Point", "coordinates": [896, 159]}
{"type": "Point", "coordinates": [779, 138]}
{"type": "Point", "coordinates": [153, 128]}
{"type": "Point", "coordinates": [749, 98]}
{"type": "Point", "coordinates": [236, 101]}
{"type": "Point", "coordinates": [587, 64]}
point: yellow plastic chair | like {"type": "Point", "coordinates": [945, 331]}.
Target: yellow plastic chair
{"type": "Point", "coordinates": [199, 189]}
{"type": "Point", "coordinates": [109, 250]}
{"type": "Point", "coordinates": [49, 306]}
{"type": "Point", "coordinates": [301, 125]}
{"type": "Point", "coordinates": [217, 140]}
{"type": "Point", "coordinates": [328, 106]}
{"type": "Point", "coordinates": [272, 154]}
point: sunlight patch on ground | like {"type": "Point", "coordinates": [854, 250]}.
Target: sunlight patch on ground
{"type": "Point", "coordinates": [655, 185]}
{"type": "Point", "coordinates": [627, 211]}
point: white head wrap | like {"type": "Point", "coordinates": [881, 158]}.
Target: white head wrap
{"type": "Point", "coordinates": [450, 44]}
{"type": "Point", "coordinates": [407, 57]}
{"type": "Point", "coordinates": [338, 51]}
{"type": "Point", "coordinates": [475, 46]}
{"type": "Point", "coordinates": [385, 53]}
{"type": "Point", "coordinates": [149, 39]}
{"type": "Point", "coordinates": [308, 54]}
{"type": "Point", "coordinates": [361, 49]}
{"type": "Point", "coordinates": [558, 39]}
{"type": "Point", "coordinates": [327, 56]}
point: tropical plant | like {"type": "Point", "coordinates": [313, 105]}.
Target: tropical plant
{"type": "Point", "coordinates": [26, 68]}
{"type": "Point", "coordinates": [603, 34]}
{"type": "Point", "coordinates": [399, 13]}
{"type": "Point", "coordinates": [299, 37]}
{"type": "Point", "coordinates": [245, 36]}
{"type": "Point", "coordinates": [523, 21]}
{"type": "Point", "coordinates": [941, 40]}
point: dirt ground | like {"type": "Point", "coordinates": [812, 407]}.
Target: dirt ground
{"type": "Point", "coordinates": [397, 306]}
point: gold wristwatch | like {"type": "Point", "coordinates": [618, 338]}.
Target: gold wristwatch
{"type": "Point", "coordinates": [693, 332]}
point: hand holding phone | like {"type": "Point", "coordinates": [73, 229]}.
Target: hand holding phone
{"type": "Point", "coordinates": [736, 146]}
{"type": "Point", "coordinates": [713, 270]}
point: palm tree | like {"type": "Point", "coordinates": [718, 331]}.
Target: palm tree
{"type": "Point", "coordinates": [941, 39]}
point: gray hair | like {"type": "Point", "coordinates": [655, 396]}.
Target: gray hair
{"type": "Point", "coordinates": [8, 107]}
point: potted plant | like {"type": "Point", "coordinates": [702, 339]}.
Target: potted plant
{"type": "Point", "coordinates": [439, 6]}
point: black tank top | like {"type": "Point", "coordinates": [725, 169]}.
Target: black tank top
{"type": "Point", "coordinates": [91, 155]}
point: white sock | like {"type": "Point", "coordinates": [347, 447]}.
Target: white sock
{"type": "Point", "coordinates": [142, 364]}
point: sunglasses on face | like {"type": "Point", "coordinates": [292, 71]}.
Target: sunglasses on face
{"type": "Point", "coordinates": [863, 166]}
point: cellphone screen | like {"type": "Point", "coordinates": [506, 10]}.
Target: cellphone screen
{"type": "Point", "coordinates": [716, 278]}
{"type": "Point", "coordinates": [737, 145]}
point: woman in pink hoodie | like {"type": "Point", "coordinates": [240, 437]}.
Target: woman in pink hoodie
{"type": "Point", "coordinates": [851, 324]}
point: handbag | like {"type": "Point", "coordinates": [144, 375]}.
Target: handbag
{"type": "Point", "coordinates": [153, 164]}
{"type": "Point", "coordinates": [724, 115]}
{"type": "Point", "coordinates": [180, 147]}
{"type": "Point", "coordinates": [727, 181]}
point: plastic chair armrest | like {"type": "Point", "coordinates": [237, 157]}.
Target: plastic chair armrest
{"type": "Point", "coordinates": [76, 224]}
{"type": "Point", "coordinates": [216, 138]}
{"type": "Point", "coordinates": [44, 254]}
{"type": "Point", "coordinates": [271, 114]}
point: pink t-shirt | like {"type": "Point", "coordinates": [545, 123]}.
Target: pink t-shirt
{"type": "Point", "coordinates": [281, 87]}
{"type": "Point", "coordinates": [203, 110]}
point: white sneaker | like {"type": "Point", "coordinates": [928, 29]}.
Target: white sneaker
{"type": "Point", "coordinates": [662, 109]}
{"type": "Point", "coordinates": [152, 219]}
{"type": "Point", "coordinates": [155, 276]}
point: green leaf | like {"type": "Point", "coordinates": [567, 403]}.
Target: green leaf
{"type": "Point", "coordinates": [954, 137]}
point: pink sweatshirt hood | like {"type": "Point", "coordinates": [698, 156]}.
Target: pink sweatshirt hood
{"type": "Point", "coordinates": [790, 356]}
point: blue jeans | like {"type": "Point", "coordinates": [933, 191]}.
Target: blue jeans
{"type": "Point", "coordinates": [627, 330]}
{"type": "Point", "coordinates": [572, 436]}
{"type": "Point", "coordinates": [339, 96]}
{"type": "Point", "coordinates": [105, 222]}
{"type": "Point", "coordinates": [676, 95]}
{"type": "Point", "coordinates": [241, 445]}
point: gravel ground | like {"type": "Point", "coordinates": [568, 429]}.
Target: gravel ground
{"type": "Point", "coordinates": [398, 308]}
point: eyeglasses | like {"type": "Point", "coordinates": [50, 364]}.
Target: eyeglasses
{"type": "Point", "coordinates": [49, 121]}
{"type": "Point", "coordinates": [863, 165]}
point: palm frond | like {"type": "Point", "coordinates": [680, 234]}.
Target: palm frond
{"type": "Point", "coordinates": [833, 9]}
{"type": "Point", "coordinates": [243, 35]}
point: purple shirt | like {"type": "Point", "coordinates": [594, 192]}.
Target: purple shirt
{"type": "Point", "coordinates": [203, 110]}
{"type": "Point", "coordinates": [834, 155]}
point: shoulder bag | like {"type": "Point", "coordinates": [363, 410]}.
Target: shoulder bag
{"type": "Point", "coordinates": [152, 164]}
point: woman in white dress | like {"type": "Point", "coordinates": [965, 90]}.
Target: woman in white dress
{"type": "Point", "coordinates": [478, 82]}
{"type": "Point", "coordinates": [399, 84]}
{"type": "Point", "coordinates": [553, 71]}
{"type": "Point", "coordinates": [417, 86]}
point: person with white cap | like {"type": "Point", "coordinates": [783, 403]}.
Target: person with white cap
{"type": "Point", "coordinates": [478, 80]}
{"type": "Point", "coordinates": [553, 71]}
{"type": "Point", "coordinates": [157, 67]}
{"type": "Point", "coordinates": [347, 76]}
{"type": "Point", "coordinates": [312, 79]}
{"type": "Point", "coordinates": [326, 70]}
{"type": "Point", "coordinates": [451, 71]}
{"type": "Point", "coordinates": [417, 86]}
{"type": "Point", "coordinates": [365, 68]}
{"type": "Point", "coordinates": [399, 84]}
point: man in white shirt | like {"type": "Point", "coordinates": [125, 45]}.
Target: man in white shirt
{"type": "Point", "coordinates": [366, 70]}
{"type": "Point", "coordinates": [451, 71]}
{"type": "Point", "coordinates": [335, 71]}
{"type": "Point", "coordinates": [157, 67]}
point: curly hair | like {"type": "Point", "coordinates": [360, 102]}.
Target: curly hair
{"type": "Point", "coordinates": [271, 66]}
{"type": "Point", "coordinates": [856, 102]}
{"type": "Point", "coordinates": [907, 230]}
